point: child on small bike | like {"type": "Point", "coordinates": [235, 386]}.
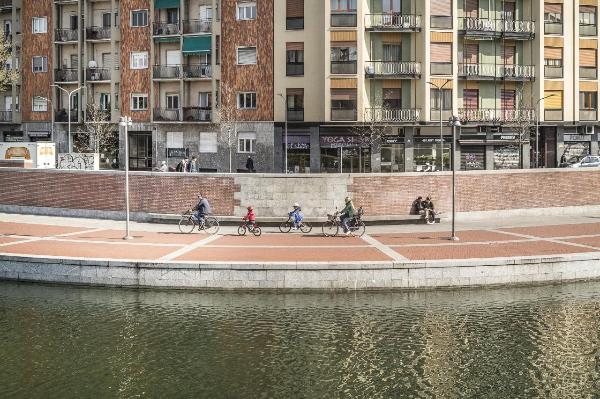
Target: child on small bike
{"type": "Point", "coordinates": [296, 215]}
{"type": "Point", "coordinates": [250, 217]}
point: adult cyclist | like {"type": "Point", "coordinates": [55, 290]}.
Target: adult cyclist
{"type": "Point", "coordinates": [201, 209]}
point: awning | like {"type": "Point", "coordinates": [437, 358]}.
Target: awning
{"type": "Point", "coordinates": [196, 44]}
{"type": "Point", "coordinates": [166, 3]}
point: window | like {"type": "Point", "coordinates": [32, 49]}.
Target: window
{"type": "Point", "coordinates": [73, 22]}
{"type": "Point", "coordinates": [294, 18]}
{"type": "Point", "coordinates": [587, 15]}
{"type": "Point", "coordinates": [208, 142]}
{"type": "Point", "coordinates": [343, 53]}
{"type": "Point", "coordinates": [105, 101]}
{"type": "Point", "coordinates": [246, 100]}
{"type": "Point", "coordinates": [172, 101]}
{"type": "Point", "coordinates": [39, 64]}
{"type": "Point", "coordinates": [40, 25]}
{"type": "Point", "coordinates": [246, 11]}
{"type": "Point", "coordinates": [139, 102]}
{"type": "Point", "coordinates": [392, 52]}
{"type": "Point", "coordinates": [246, 142]}
{"type": "Point", "coordinates": [588, 100]}
{"type": "Point", "coordinates": [173, 16]}
{"type": "Point", "coordinates": [139, 18]}
{"type": "Point", "coordinates": [204, 99]}
{"type": "Point", "coordinates": [295, 59]}
{"type": "Point", "coordinates": [553, 13]}
{"type": "Point", "coordinates": [343, 5]}
{"type": "Point", "coordinates": [40, 104]}
{"type": "Point", "coordinates": [139, 60]}
{"type": "Point", "coordinates": [295, 104]}
{"type": "Point", "coordinates": [446, 99]}
{"type": "Point", "coordinates": [246, 55]}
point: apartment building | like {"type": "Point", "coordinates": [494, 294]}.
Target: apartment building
{"type": "Point", "coordinates": [320, 85]}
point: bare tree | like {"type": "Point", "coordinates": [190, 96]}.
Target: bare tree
{"type": "Point", "coordinates": [8, 73]}
{"type": "Point", "coordinates": [227, 116]}
{"type": "Point", "coordinates": [523, 119]}
{"type": "Point", "coordinates": [98, 133]}
{"type": "Point", "coordinates": [372, 128]}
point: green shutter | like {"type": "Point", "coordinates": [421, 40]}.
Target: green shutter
{"type": "Point", "coordinates": [166, 3]}
{"type": "Point", "coordinates": [196, 44]}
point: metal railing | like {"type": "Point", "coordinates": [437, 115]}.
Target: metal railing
{"type": "Point", "coordinates": [165, 29]}
{"type": "Point", "coordinates": [553, 114]}
{"type": "Point", "coordinates": [588, 114]}
{"type": "Point", "coordinates": [196, 114]}
{"type": "Point", "coordinates": [518, 27]}
{"type": "Point", "coordinates": [441, 68]}
{"type": "Point", "coordinates": [197, 26]}
{"type": "Point", "coordinates": [588, 72]}
{"type": "Point", "coordinates": [393, 21]}
{"type": "Point", "coordinates": [553, 28]}
{"type": "Point", "coordinates": [434, 114]}
{"type": "Point", "coordinates": [393, 68]}
{"type": "Point", "coordinates": [477, 24]}
{"type": "Point", "coordinates": [97, 33]}
{"type": "Point", "coordinates": [343, 114]}
{"type": "Point", "coordinates": [343, 67]}
{"type": "Point", "coordinates": [66, 75]}
{"type": "Point", "coordinates": [393, 114]}
{"type": "Point", "coordinates": [517, 72]}
{"type": "Point", "coordinates": [295, 114]}
{"type": "Point", "coordinates": [492, 71]}
{"type": "Point", "coordinates": [199, 71]}
{"type": "Point", "coordinates": [441, 21]}
{"type": "Point", "coordinates": [166, 71]}
{"type": "Point", "coordinates": [66, 35]}
{"type": "Point", "coordinates": [497, 26]}
{"type": "Point", "coordinates": [6, 116]}
{"type": "Point", "coordinates": [494, 115]}
{"type": "Point", "coordinates": [62, 115]}
{"type": "Point", "coordinates": [166, 115]}
{"type": "Point", "coordinates": [551, 71]}
{"type": "Point", "coordinates": [97, 74]}
{"type": "Point", "coordinates": [345, 19]}
{"type": "Point", "coordinates": [588, 30]}
{"type": "Point", "coordinates": [477, 70]}
{"type": "Point", "coordinates": [295, 69]}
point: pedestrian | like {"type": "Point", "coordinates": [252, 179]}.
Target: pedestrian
{"type": "Point", "coordinates": [163, 167]}
{"type": "Point", "coordinates": [193, 165]}
{"type": "Point", "coordinates": [182, 165]}
{"type": "Point", "coordinates": [250, 164]}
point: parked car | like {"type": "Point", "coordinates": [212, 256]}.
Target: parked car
{"type": "Point", "coordinates": [590, 161]}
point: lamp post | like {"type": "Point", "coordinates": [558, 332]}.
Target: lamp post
{"type": "Point", "coordinates": [69, 94]}
{"type": "Point", "coordinates": [125, 122]}
{"type": "Point", "coordinates": [537, 129]}
{"type": "Point", "coordinates": [51, 117]}
{"type": "Point", "coordinates": [439, 89]}
{"type": "Point", "coordinates": [286, 131]}
{"type": "Point", "coordinates": [454, 122]}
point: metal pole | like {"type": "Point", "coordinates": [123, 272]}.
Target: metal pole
{"type": "Point", "coordinates": [537, 136]}
{"type": "Point", "coordinates": [286, 133]}
{"type": "Point", "coordinates": [454, 237]}
{"type": "Point", "coordinates": [69, 141]}
{"type": "Point", "coordinates": [441, 129]}
{"type": "Point", "coordinates": [126, 121]}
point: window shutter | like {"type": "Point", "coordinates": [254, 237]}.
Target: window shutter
{"type": "Point", "coordinates": [471, 53]}
{"type": "Point", "coordinates": [247, 56]}
{"type": "Point", "coordinates": [343, 94]}
{"type": "Point", "coordinates": [553, 8]}
{"type": "Point", "coordinates": [441, 7]}
{"type": "Point", "coordinates": [553, 53]}
{"type": "Point", "coordinates": [295, 8]}
{"type": "Point", "coordinates": [470, 98]}
{"type": "Point", "coordinates": [295, 92]}
{"type": "Point", "coordinates": [294, 46]}
{"type": "Point", "coordinates": [472, 8]}
{"type": "Point", "coordinates": [441, 52]}
{"type": "Point", "coordinates": [508, 56]}
{"type": "Point", "coordinates": [507, 100]}
{"type": "Point", "coordinates": [555, 102]}
{"type": "Point", "coordinates": [587, 57]}
{"type": "Point", "coordinates": [587, 9]}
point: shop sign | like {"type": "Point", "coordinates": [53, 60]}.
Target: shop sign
{"type": "Point", "coordinates": [506, 137]}
{"type": "Point", "coordinates": [578, 137]}
{"type": "Point", "coordinates": [13, 137]}
{"type": "Point", "coordinates": [431, 140]}
{"type": "Point", "coordinates": [393, 140]}
{"type": "Point", "coordinates": [298, 142]}
{"type": "Point", "coordinates": [177, 152]}
{"type": "Point", "coordinates": [341, 141]}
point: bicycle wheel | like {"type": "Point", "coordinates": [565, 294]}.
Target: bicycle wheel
{"type": "Point", "coordinates": [285, 227]}
{"type": "Point", "coordinates": [211, 225]}
{"type": "Point", "coordinates": [187, 224]}
{"type": "Point", "coordinates": [330, 229]}
{"type": "Point", "coordinates": [242, 230]}
{"type": "Point", "coordinates": [305, 227]}
{"type": "Point", "coordinates": [256, 231]}
{"type": "Point", "coordinates": [358, 229]}
{"type": "Point", "coordinates": [430, 219]}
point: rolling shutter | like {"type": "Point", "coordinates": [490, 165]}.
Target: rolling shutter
{"type": "Point", "coordinates": [553, 53]}
{"type": "Point", "coordinates": [507, 99]}
{"type": "Point", "coordinates": [295, 8]}
{"type": "Point", "coordinates": [587, 9]}
{"type": "Point", "coordinates": [555, 102]}
{"type": "Point", "coordinates": [441, 7]}
{"type": "Point", "coordinates": [441, 52]}
{"type": "Point", "coordinates": [471, 8]}
{"type": "Point", "coordinates": [587, 57]}
{"type": "Point", "coordinates": [508, 55]}
{"type": "Point", "coordinates": [553, 8]}
{"type": "Point", "coordinates": [472, 157]}
{"type": "Point", "coordinates": [343, 94]}
{"type": "Point", "coordinates": [247, 56]}
{"type": "Point", "coordinates": [471, 53]}
{"type": "Point", "coordinates": [294, 46]}
{"type": "Point", "coordinates": [470, 98]}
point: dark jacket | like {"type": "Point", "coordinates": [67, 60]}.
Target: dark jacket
{"type": "Point", "coordinates": [203, 207]}
{"type": "Point", "coordinates": [250, 164]}
{"type": "Point", "coordinates": [181, 167]}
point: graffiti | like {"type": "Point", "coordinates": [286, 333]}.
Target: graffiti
{"type": "Point", "coordinates": [78, 161]}
{"type": "Point", "coordinates": [471, 161]}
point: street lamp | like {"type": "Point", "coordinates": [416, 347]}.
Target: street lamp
{"type": "Point", "coordinates": [125, 122]}
{"type": "Point", "coordinates": [439, 89]}
{"type": "Point", "coordinates": [286, 130]}
{"type": "Point", "coordinates": [51, 116]}
{"type": "Point", "coordinates": [454, 122]}
{"type": "Point", "coordinates": [69, 94]}
{"type": "Point", "coordinates": [537, 129]}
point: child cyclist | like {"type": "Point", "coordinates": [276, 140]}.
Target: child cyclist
{"type": "Point", "coordinates": [250, 217]}
{"type": "Point", "coordinates": [296, 216]}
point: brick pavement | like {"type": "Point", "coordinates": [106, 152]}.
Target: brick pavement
{"type": "Point", "coordinates": [100, 243]}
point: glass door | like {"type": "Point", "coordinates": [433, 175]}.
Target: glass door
{"type": "Point", "coordinates": [140, 151]}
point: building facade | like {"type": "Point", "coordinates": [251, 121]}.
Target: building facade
{"type": "Point", "coordinates": [311, 85]}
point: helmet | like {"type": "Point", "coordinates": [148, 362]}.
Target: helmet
{"type": "Point", "coordinates": [250, 208]}
{"type": "Point", "coordinates": [296, 205]}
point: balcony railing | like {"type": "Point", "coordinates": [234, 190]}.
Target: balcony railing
{"type": "Point", "coordinates": [97, 33]}
{"type": "Point", "coordinates": [551, 71]}
{"type": "Point", "coordinates": [200, 71]}
{"type": "Point", "coordinates": [66, 75]}
{"type": "Point", "coordinates": [97, 74]}
{"type": "Point", "coordinates": [493, 71]}
{"type": "Point", "coordinates": [517, 72]}
{"type": "Point", "coordinates": [434, 114]}
{"type": "Point", "coordinates": [295, 114]}
{"type": "Point", "coordinates": [393, 114]}
{"type": "Point", "coordinates": [343, 114]}
{"type": "Point", "coordinates": [62, 115]}
{"type": "Point", "coordinates": [393, 69]}
{"type": "Point", "coordinates": [167, 115]}
{"type": "Point", "coordinates": [441, 68]}
{"type": "Point", "coordinates": [196, 114]}
{"type": "Point", "coordinates": [553, 114]}
{"type": "Point", "coordinates": [166, 71]}
{"type": "Point", "coordinates": [492, 115]}
{"type": "Point", "coordinates": [553, 28]}
{"type": "Point", "coordinates": [342, 20]}
{"type": "Point", "coordinates": [66, 35]}
{"type": "Point", "coordinates": [343, 67]}
{"type": "Point", "coordinates": [294, 69]}
{"type": "Point", "coordinates": [482, 71]}
{"type": "Point", "coordinates": [588, 114]}
{"type": "Point", "coordinates": [497, 27]}
{"type": "Point", "coordinates": [197, 26]}
{"type": "Point", "coordinates": [6, 3]}
{"type": "Point", "coordinates": [518, 28]}
{"type": "Point", "coordinates": [588, 30]}
{"type": "Point", "coordinates": [477, 25]}
{"type": "Point", "coordinates": [393, 22]}
{"type": "Point", "coordinates": [6, 116]}
{"type": "Point", "coordinates": [588, 72]}
{"type": "Point", "coordinates": [165, 29]}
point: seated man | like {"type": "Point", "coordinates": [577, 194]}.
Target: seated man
{"type": "Point", "coordinates": [418, 206]}
{"type": "Point", "coordinates": [428, 207]}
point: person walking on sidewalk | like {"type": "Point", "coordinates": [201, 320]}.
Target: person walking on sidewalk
{"type": "Point", "coordinates": [250, 164]}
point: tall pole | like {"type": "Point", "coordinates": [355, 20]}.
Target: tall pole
{"type": "Point", "coordinates": [69, 94]}
{"type": "Point", "coordinates": [439, 90]}
{"type": "Point", "coordinates": [285, 162]}
{"type": "Point", "coordinates": [126, 122]}
{"type": "Point", "coordinates": [537, 130]}
{"type": "Point", "coordinates": [454, 122]}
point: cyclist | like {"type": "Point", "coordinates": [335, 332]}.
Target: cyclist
{"type": "Point", "coordinates": [201, 209]}
{"type": "Point", "coordinates": [250, 218]}
{"type": "Point", "coordinates": [347, 214]}
{"type": "Point", "coordinates": [296, 216]}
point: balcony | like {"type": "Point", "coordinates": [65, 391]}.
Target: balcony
{"type": "Point", "coordinates": [165, 29]}
{"type": "Point", "coordinates": [66, 75]}
{"type": "Point", "coordinates": [473, 71]}
{"type": "Point", "coordinates": [441, 68]}
{"type": "Point", "coordinates": [518, 29]}
{"type": "Point", "coordinates": [197, 26]}
{"type": "Point", "coordinates": [553, 28]}
{"type": "Point", "coordinates": [434, 114]}
{"type": "Point", "coordinates": [588, 114]}
{"type": "Point", "coordinates": [343, 20]}
{"type": "Point", "coordinates": [6, 116]}
{"type": "Point", "coordinates": [200, 71]}
{"type": "Point", "coordinates": [478, 27]}
{"type": "Point", "coordinates": [393, 114]}
{"type": "Point", "coordinates": [393, 70]}
{"type": "Point", "coordinates": [393, 22]}
{"type": "Point", "coordinates": [97, 33]}
{"type": "Point", "coordinates": [294, 69]}
{"type": "Point", "coordinates": [166, 72]}
{"type": "Point", "coordinates": [492, 28]}
{"type": "Point", "coordinates": [588, 30]}
{"type": "Point", "coordinates": [588, 72]}
{"type": "Point", "coordinates": [551, 71]}
{"type": "Point", "coordinates": [167, 115]}
{"type": "Point", "coordinates": [66, 35]}
{"type": "Point", "coordinates": [517, 72]}
{"type": "Point", "coordinates": [62, 115]}
{"type": "Point", "coordinates": [196, 114]}
{"type": "Point", "coordinates": [343, 67]}
{"type": "Point", "coordinates": [553, 114]}
{"type": "Point", "coordinates": [343, 114]}
{"type": "Point", "coordinates": [295, 114]}
{"type": "Point", "coordinates": [97, 74]}
{"type": "Point", "coordinates": [6, 4]}
{"type": "Point", "coordinates": [492, 115]}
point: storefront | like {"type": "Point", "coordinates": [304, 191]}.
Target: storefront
{"type": "Point", "coordinates": [576, 146]}
{"type": "Point", "coordinates": [298, 153]}
{"type": "Point", "coordinates": [12, 137]}
{"type": "Point", "coordinates": [472, 157]}
{"type": "Point", "coordinates": [428, 154]}
{"type": "Point", "coordinates": [39, 136]}
{"type": "Point", "coordinates": [344, 154]}
{"type": "Point", "coordinates": [392, 154]}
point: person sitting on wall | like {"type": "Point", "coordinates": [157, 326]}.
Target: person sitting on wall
{"type": "Point", "coordinates": [418, 206]}
{"type": "Point", "coordinates": [428, 207]}
{"type": "Point", "coordinates": [163, 167]}
{"type": "Point", "coordinates": [192, 166]}
{"type": "Point", "coordinates": [182, 165]}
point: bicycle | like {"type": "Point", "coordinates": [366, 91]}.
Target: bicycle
{"type": "Point", "coordinates": [252, 227]}
{"type": "Point", "coordinates": [286, 227]}
{"type": "Point", "coordinates": [189, 221]}
{"type": "Point", "coordinates": [356, 226]}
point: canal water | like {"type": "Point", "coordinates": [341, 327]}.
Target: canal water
{"type": "Point", "coordinates": [535, 342]}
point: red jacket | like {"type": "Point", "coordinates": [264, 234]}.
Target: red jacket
{"type": "Point", "coordinates": [250, 216]}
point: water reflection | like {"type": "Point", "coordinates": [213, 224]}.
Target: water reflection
{"type": "Point", "coordinates": [88, 342]}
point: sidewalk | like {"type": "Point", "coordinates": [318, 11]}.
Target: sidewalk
{"type": "Point", "coordinates": [37, 236]}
